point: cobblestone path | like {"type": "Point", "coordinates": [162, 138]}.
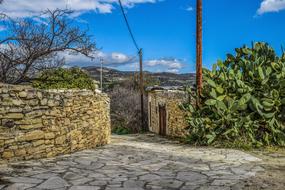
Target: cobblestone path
{"type": "Point", "coordinates": [135, 163]}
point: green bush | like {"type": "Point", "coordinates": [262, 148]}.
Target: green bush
{"type": "Point", "coordinates": [121, 130]}
{"type": "Point", "coordinates": [61, 78]}
{"type": "Point", "coordinates": [243, 101]}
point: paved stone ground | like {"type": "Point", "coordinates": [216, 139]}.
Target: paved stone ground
{"type": "Point", "coordinates": [273, 161]}
{"type": "Point", "coordinates": [135, 163]}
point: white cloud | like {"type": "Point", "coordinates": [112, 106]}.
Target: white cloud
{"type": "Point", "coordinates": [173, 70]}
{"type": "Point", "coordinates": [190, 8]}
{"type": "Point", "coordinates": [114, 59]}
{"type": "Point", "coordinates": [117, 60]}
{"type": "Point", "coordinates": [271, 6]}
{"type": "Point", "coordinates": [27, 8]}
{"type": "Point", "coordinates": [166, 62]}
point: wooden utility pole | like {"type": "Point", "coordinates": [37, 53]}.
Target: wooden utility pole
{"type": "Point", "coordinates": [141, 64]}
{"type": "Point", "coordinates": [199, 75]}
{"type": "Point", "coordinates": [101, 74]}
{"type": "Point", "coordinates": [142, 88]}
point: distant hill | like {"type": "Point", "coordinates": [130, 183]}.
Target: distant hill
{"type": "Point", "coordinates": [164, 78]}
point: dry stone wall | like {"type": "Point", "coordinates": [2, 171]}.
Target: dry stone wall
{"type": "Point", "coordinates": [45, 123]}
{"type": "Point", "coordinates": [175, 117]}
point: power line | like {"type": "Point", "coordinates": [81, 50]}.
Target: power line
{"type": "Point", "coordinates": [128, 26]}
{"type": "Point", "coordinates": [141, 65]}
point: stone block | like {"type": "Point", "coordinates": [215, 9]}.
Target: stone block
{"type": "Point", "coordinates": [40, 95]}
{"type": "Point", "coordinates": [49, 135]}
{"type": "Point", "coordinates": [34, 114]}
{"type": "Point", "coordinates": [23, 94]}
{"type": "Point", "coordinates": [31, 126]}
{"type": "Point", "coordinates": [34, 150]}
{"type": "Point", "coordinates": [47, 142]}
{"type": "Point", "coordinates": [30, 136]}
{"type": "Point", "coordinates": [53, 128]}
{"type": "Point", "coordinates": [29, 121]}
{"type": "Point", "coordinates": [20, 152]}
{"type": "Point", "coordinates": [9, 141]}
{"type": "Point", "coordinates": [50, 154]}
{"type": "Point", "coordinates": [33, 102]}
{"type": "Point", "coordinates": [13, 147]}
{"type": "Point", "coordinates": [31, 94]}
{"type": "Point", "coordinates": [17, 102]}
{"type": "Point", "coordinates": [39, 142]}
{"type": "Point", "coordinates": [53, 112]}
{"type": "Point", "coordinates": [8, 154]}
{"type": "Point", "coordinates": [66, 121]}
{"type": "Point", "coordinates": [90, 112]}
{"type": "Point", "coordinates": [60, 140]}
{"type": "Point", "coordinates": [13, 116]}
{"type": "Point", "coordinates": [51, 103]}
{"type": "Point", "coordinates": [15, 110]}
{"type": "Point", "coordinates": [43, 101]}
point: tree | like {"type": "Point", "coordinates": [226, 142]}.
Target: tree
{"type": "Point", "coordinates": [30, 46]}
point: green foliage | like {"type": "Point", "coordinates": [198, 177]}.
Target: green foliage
{"type": "Point", "coordinates": [243, 101]}
{"type": "Point", "coordinates": [121, 130]}
{"type": "Point", "coordinates": [60, 78]}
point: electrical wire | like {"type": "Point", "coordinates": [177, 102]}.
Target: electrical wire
{"type": "Point", "coordinates": [128, 26]}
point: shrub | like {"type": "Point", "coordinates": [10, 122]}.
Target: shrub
{"type": "Point", "coordinates": [242, 102]}
{"type": "Point", "coordinates": [125, 109]}
{"type": "Point", "coordinates": [121, 130]}
{"type": "Point", "coordinates": [61, 78]}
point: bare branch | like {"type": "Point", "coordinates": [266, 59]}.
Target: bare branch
{"type": "Point", "coordinates": [28, 47]}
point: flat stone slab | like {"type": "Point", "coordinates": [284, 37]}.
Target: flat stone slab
{"type": "Point", "coordinates": [53, 183]}
{"type": "Point", "coordinates": [135, 162]}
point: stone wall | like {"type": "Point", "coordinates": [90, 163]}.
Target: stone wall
{"type": "Point", "coordinates": [175, 117]}
{"type": "Point", "coordinates": [45, 123]}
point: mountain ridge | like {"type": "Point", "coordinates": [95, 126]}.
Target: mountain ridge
{"type": "Point", "coordinates": [164, 78]}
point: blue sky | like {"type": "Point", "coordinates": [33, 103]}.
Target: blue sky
{"type": "Point", "coordinates": [165, 29]}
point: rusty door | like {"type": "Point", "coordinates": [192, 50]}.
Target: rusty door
{"type": "Point", "coordinates": [162, 120]}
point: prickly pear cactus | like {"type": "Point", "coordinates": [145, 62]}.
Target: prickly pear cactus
{"type": "Point", "coordinates": [243, 101]}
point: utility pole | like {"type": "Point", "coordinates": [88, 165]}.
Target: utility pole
{"type": "Point", "coordinates": [199, 74]}
{"type": "Point", "coordinates": [141, 64]}
{"type": "Point", "coordinates": [101, 73]}
{"type": "Point", "coordinates": [142, 88]}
